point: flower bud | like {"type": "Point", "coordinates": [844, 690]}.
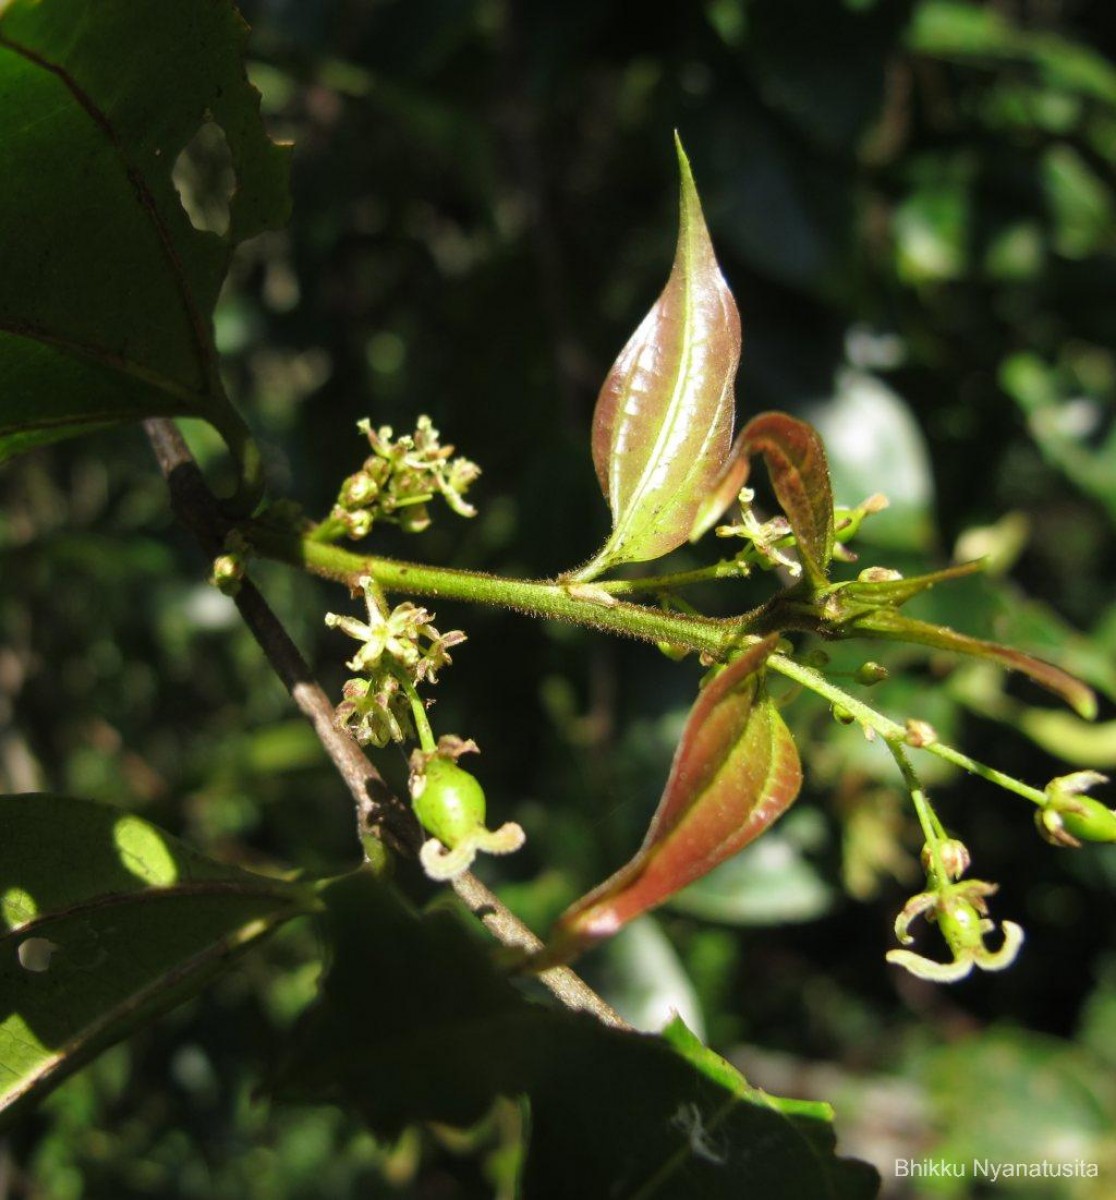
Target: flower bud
{"type": "Point", "coordinates": [1089, 821]}
{"type": "Point", "coordinates": [227, 573]}
{"type": "Point", "coordinates": [920, 733]}
{"type": "Point", "coordinates": [1070, 817]}
{"type": "Point", "coordinates": [954, 856]}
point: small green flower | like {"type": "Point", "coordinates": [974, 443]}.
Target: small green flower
{"type": "Point", "coordinates": [961, 911]}
{"type": "Point", "coordinates": [400, 478]}
{"type": "Point", "coordinates": [765, 538]}
{"type": "Point", "coordinates": [405, 636]}
{"type": "Point", "coordinates": [375, 715]}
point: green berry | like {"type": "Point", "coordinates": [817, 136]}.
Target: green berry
{"type": "Point", "coordinates": [448, 801]}
{"type": "Point", "coordinates": [1088, 820]}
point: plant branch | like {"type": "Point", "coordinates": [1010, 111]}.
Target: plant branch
{"type": "Point", "coordinates": [592, 605]}
{"type": "Point", "coordinates": [867, 717]}
{"type": "Point", "coordinates": [379, 812]}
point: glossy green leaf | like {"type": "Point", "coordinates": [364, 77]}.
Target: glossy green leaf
{"type": "Point", "coordinates": [735, 771]}
{"type": "Point", "coordinates": [105, 920]}
{"type": "Point", "coordinates": [662, 429]}
{"type": "Point", "coordinates": [107, 289]}
{"type": "Point", "coordinates": [896, 626]}
{"type": "Point", "coordinates": [415, 1023]}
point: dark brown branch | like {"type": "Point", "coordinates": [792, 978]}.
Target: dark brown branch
{"type": "Point", "coordinates": [380, 814]}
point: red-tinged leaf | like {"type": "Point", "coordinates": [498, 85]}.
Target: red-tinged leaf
{"type": "Point", "coordinates": [895, 626]}
{"type": "Point", "coordinates": [733, 477]}
{"type": "Point", "coordinates": [799, 473]}
{"type": "Point", "coordinates": [662, 429]}
{"type": "Point", "coordinates": [735, 772]}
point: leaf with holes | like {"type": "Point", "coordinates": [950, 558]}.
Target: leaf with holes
{"type": "Point", "coordinates": [662, 429]}
{"type": "Point", "coordinates": [105, 920]}
{"type": "Point", "coordinates": [107, 289]}
{"type": "Point", "coordinates": [735, 772]}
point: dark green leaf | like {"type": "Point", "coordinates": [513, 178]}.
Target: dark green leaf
{"type": "Point", "coordinates": [107, 290]}
{"type": "Point", "coordinates": [415, 1024]}
{"type": "Point", "coordinates": [104, 920]}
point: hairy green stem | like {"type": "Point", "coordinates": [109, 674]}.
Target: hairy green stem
{"type": "Point", "coordinates": [595, 605]}
{"type": "Point", "coordinates": [582, 604]}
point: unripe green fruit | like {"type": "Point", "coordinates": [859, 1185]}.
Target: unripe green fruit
{"type": "Point", "coordinates": [1088, 820]}
{"type": "Point", "coordinates": [960, 924]}
{"type": "Point", "coordinates": [449, 802]}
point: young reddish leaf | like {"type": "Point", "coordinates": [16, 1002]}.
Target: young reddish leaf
{"type": "Point", "coordinates": [734, 475]}
{"type": "Point", "coordinates": [896, 626]}
{"type": "Point", "coordinates": [735, 771]}
{"type": "Point", "coordinates": [799, 473]}
{"type": "Point", "coordinates": [662, 428]}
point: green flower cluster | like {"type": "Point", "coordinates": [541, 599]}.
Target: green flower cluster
{"type": "Point", "coordinates": [400, 478]}
{"type": "Point", "coordinates": [399, 649]}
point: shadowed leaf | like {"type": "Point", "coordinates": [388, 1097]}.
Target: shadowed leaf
{"type": "Point", "coordinates": [415, 1024]}
{"type": "Point", "coordinates": [107, 289]}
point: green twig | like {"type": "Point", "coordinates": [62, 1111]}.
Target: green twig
{"type": "Point", "coordinates": [595, 605]}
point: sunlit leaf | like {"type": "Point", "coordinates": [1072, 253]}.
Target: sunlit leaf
{"type": "Point", "coordinates": [735, 771]}
{"type": "Point", "coordinates": [955, 30]}
{"type": "Point", "coordinates": [662, 429]}
{"type": "Point", "coordinates": [105, 920]}
{"type": "Point", "coordinates": [107, 289]}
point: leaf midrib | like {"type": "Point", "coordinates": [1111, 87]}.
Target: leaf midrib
{"type": "Point", "coordinates": [199, 330]}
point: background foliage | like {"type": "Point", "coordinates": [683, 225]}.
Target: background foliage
{"type": "Point", "coordinates": [913, 203]}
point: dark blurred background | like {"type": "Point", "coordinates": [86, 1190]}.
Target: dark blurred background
{"type": "Point", "coordinates": [914, 205]}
